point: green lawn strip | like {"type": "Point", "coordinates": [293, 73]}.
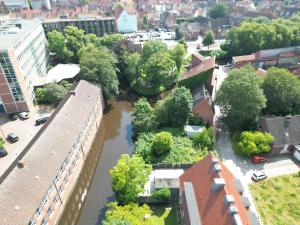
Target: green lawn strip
{"type": "Point", "coordinates": [277, 200]}
{"type": "Point", "coordinates": [163, 215]}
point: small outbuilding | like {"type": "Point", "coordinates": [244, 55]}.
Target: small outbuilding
{"type": "Point", "coordinates": [192, 130]}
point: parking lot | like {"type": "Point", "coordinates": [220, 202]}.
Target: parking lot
{"type": "Point", "coordinates": [24, 129]}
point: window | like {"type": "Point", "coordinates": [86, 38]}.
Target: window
{"type": "Point", "coordinates": [55, 199]}
{"type": "Point", "coordinates": [44, 222]}
{"type": "Point", "coordinates": [45, 200]}
{"type": "Point", "coordinates": [57, 177]}
{"type": "Point", "coordinates": [38, 212]}
{"type": "Point", "coordinates": [61, 189]}
{"type": "Point", "coordinates": [49, 210]}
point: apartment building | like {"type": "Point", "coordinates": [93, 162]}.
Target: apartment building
{"type": "Point", "coordinates": [38, 187]}
{"type": "Point", "coordinates": [23, 57]}
{"type": "Point", "coordinates": [98, 26]}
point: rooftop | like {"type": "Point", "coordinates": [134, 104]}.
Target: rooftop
{"type": "Point", "coordinates": [23, 189]}
{"type": "Point", "coordinates": [14, 30]}
{"type": "Point", "coordinates": [77, 19]}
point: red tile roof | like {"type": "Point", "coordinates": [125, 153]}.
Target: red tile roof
{"type": "Point", "coordinates": [211, 205]}
{"type": "Point", "coordinates": [243, 58]}
{"type": "Point", "coordinates": [207, 64]}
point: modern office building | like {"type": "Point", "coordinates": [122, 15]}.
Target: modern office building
{"type": "Point", "coordinates": [38, 185]}
{"type": "Point", "coordinates": [23, 57]}
{"type": "Point", "coordinates": [98, 26]}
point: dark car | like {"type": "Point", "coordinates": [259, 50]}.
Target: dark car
{"type": "Point", "coordinates": [3, 153]}
{"type": "Point", "coordinates": [13, 116]}
{"type": "Point", "coordinates": [41, 120]}
{"type": "Point", "coordinates": [12, 137]}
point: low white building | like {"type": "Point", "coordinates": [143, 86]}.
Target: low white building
{"type": "Point", "coordinates": [192, 130]}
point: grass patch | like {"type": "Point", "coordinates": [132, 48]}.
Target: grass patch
{"type": "Point", "coordinates": [164, 216]}
{"type": "Point", "coordinates": [277, 199]}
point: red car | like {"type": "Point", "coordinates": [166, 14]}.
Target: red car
{"type": "Point", "coordinates": [259, 159]}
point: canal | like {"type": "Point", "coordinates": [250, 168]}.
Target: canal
{"type": "Point", "coordinates": [86, 206]}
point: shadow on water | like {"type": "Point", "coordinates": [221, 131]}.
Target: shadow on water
{"type": "Point", "coordinates": [94, 185]}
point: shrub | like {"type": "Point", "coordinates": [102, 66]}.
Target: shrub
{"type": "Point", "coordinates": [162, 194]}
{"type": "Point", "coordinates": [251, 143]}
{"type": "Point", "coordinates": [2, 142]}
{"type": "Point", "coordinates": [205, 138]}
{"type": "Point", "coordinates": [162, 142]}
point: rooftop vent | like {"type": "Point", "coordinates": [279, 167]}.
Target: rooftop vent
{"type": "Point", "coordinates": [214, 160]}
{"type": "Point", "coordinates": [72, 92]}
{"type": "Point", "coordinates": [217, 167]}
{"type": "Point", "coordinates": [21, 164]}
{"type": "Point", "coordinates": [17, 207]}
{"type": "Point", "coordinates": [218, 183]}
{"type": "Point", "coordinates": [233, 210]}
{"type": "Point", "coordinates": [229, 199]}
{"type": "Point", "coordinates": [37, 177]}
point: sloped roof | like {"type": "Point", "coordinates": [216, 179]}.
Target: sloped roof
{"type": "Point", "coordinates": [204, 66]}
{"type": "Point", "coordinates": [211, 204]}
{"type": "Point", "coordinates": [243, 58]}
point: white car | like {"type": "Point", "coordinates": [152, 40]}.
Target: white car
{"type": "Point", "coordinates": [259, 175]}
{"type": "Point", "coordinates": [24, 115]}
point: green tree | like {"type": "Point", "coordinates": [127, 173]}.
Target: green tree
{"type": "Point", "coordinates": [255, 143]}
{"type": "Point", "coordinates": [132, 213]}
{"type": "Point", "coordinates": [145, 23]}
{"type": "Point", "coordinates": [162, 194]}
{"type": "Point", "coordinates": [162, 142]}
{"type": "Point", "coordinates": [143, 117]}
{"type": "Point", "coordinates": [110, 40]}
{"type": "Point", "coordinates": [2, 142]}
{"type": "Point", "coordinates": [117, 222]}
{"type": "Point", "coordinates": [152, 47]}
{"type": "Point", "coordinates": [58, 46]}
{"type": "Point", "coordinates": [208, 39]}
{"type": "Point", "coordinates": [175, 109]}
{"type": "Point", "coordinates": [74, 39]}
{"type": "Point", "coordinates": [282, 90]}
{"type": "Point", "coordinates": [219, 10]}
{"type": "Point", "coordinates": [129, 177]}
{"type": "Point", "coordinates": [159, 70]}
{"type": "Point", "coordinates": [205, 138]}
{"type": "Point", "coordinates": [241, 98]}
{"type": "Point", "coordinates": [182, 41]}
{"type": "Point", "coordinates": [132, 64]}
{"type": "Point", "coordinates": [51, 93]}
{"type": "Point", "coordinates": [178, 34]}
{"type": "Point", "coordinates": [98, 65]}
{"type": "Point", "coordinates": [177, 54]}
{"type": "Point", "coordinates": [83, 3]}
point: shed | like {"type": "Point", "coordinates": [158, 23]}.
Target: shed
{"type": "Point", "coordinates": [192, 130]}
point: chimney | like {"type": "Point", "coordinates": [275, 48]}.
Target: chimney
{"type": "Point", "coordinates": [233, 210]}
{"type": "Point", "coordinates": [73, 93]}
{"type": "Point", "coordinates": [214, 160]}
{"type": "Point", "coordinates": [229, 199]}
{"type": "Point", "coordinates": [218, 184]}
{"type": "Point", "coordinates": [217, 167]}
{"type": "Point", "coordinates": [287, 121]}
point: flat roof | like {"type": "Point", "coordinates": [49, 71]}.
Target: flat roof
{"type": "Point", "coordinates": [9, 40]}
{"type": "Point", "coordinates": [57, 74]}
{"type": "Point", "coordinates": [22, 191]}
{"type": "Point", "coordinates": [76, 19]}
{"type": "Point", "coordinates": [168, 174]}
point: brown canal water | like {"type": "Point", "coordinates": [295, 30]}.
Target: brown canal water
{"type": "Point", "coordinates": [86, 206]}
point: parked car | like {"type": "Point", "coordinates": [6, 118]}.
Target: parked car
{"type": "Point", "coordinates": [3, 153]}
{"type": "Point", "coordinates": [12, 137]}
{"type": "Point", "coordinates": [259, 159]}
{"type": "Point", "coordinates": [41, 120]}
{"type": "Point", "coordinates": [259, 175]}
{"type": "Point", "coordinates": [12, 116]}
{"type": "Point", "coordinates": [24, 115]}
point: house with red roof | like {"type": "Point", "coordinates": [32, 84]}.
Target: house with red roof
{"type": "Point", "coordinates": [211, 195]}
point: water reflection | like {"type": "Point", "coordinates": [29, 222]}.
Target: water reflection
{"type": "Point", "coordinates": [117, 131]}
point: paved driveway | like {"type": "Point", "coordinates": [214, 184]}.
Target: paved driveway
{"type": "Point", "coordinates": [25, 129]}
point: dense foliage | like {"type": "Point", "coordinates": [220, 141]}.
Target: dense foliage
{"type": "Point", "coordinates": [241, 98]}
{"type": "Point", "coordinates": [252, 36]}
{"type": "Point", "coordinates": [162, 194]}
{"type": "Point", "coordinates": [219, 10]}
{"type": "Point", "coordinates": [253, 143]}
{"type": "Point", "coordinates": [129, 177]}
{"type": "Point", "coordinates": [162, 143]}
{"type": "Point", "coordinates": [205, 138]}
{"type": "Point", "coordinates": [132, 213]}
{"type": "Point", "coordinates": [182, 151]}
{"type": "Point", "coordinates": [98, 65]}
{"type": "Point", "coordinates": [109, 41]}
{"type": "Point", "coordinates": [52, 93]}
{"type": "Point", "coordinates": [2, 142]}
{"type": "Point", "coordinates": [282, 90]}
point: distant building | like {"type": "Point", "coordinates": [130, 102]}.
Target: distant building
{"type": "Point", "coordinates": [21, 4]}
{"type": "Point", "coordinates": [37, 188]}
{"type": "Point", "coordinates": [126, 22]}
{"type": "Point", "coordinates": [23, 57]}
{"type": "Point", "coordinates": [210, 194]}
{"type": "Point", "coordinates": [98, 26]}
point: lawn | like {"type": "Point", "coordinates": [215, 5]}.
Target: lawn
{"type": "Point", "coordinates": [277, 200]}
{"type": "Point", "coordinates": [164, 216]}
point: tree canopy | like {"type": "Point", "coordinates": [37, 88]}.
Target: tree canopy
{"type": "Point", "coordinates": [110, 40]}
{"type": "Point", "coordinates": [129, 177]}
{"type": "Point", "coordinates": [152, 47]}
{"type": "Point", "coordinates": [252, 36]}
{"type": "Point", "coordinates": [177, 54]}
{"type": "Point", "coordinates": [282, 90]}
{"type": "Point", "coordinates": [208, 39]}
{"type": "Point", "coordinates": [241, 98]}
{"type": "Point", "coordinates": [219, 10]}
{"type": "Point", "coordinates": [98, 65]}
{"type": "Point", "coordinates": [162, 142]}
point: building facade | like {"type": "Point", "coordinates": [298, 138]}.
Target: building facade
{"type": "Point", "coordinates": [23, 57]}
{"type": "Point", "coordinates": [126, 23]}
{"type": "Point", "coordinates": [37, 189]}
{"type": "Point", "coordinates": [98, 26]}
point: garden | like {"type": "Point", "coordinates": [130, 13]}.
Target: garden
{"type": "Point", "coordinates": [277, 199]}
